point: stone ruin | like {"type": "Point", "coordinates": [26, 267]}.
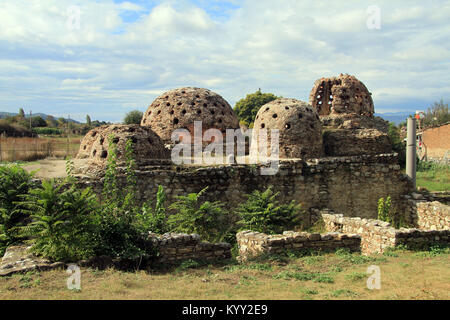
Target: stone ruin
{"type": "Point", "coordinates": [300, 129]}
{"type": "Point", "coordinates": [336, 160]}
{"type": "Point", "coordinates": [346, 110]}
{"type": "Point", "coordinates": [95, 146]}
{"type": "Point", "coordinates": [343, 94]}
{"type": "Point", "coordinates": [179, 108]}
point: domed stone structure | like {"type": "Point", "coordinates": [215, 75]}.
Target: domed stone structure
{"type": "Point", "coordinates": [179, 108]}
{"type": "Point", "coordinates": [146, 144]}
{"type": "Point", "coordinates": [341, 95]}
{"type": "Point", "coordinates": [299, 125]}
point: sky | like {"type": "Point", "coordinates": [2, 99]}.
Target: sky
{"type": "Point", "coordinates": [108, 57]}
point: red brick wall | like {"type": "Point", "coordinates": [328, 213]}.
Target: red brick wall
{"type": "Point", "coordinates": [437, 141]}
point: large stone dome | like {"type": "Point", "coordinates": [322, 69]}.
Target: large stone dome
{"type": "Point", "coordinates": [341, 95]}
{"type": "Point", "coordinates": [95, 146]}
{"type": "Point", "coordinates": [179, 108]}
{"type": "Point", "coordinates": [300, 129]}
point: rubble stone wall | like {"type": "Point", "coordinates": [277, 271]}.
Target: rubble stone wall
{"type": "Point", "coordinates": [251, 244]}
{"type": "Point", "coordinates": [377, 236]}
{"type": "Point", "coordinates": [433, 216]}
{"type": "Point", "coordinates": [347, 185]}
{"type": "Point", "coordinates": [174, 248]}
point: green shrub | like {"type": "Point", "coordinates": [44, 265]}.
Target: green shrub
{"type": "Point", "coordinates": [15, 183]}
{"type": "Point", "coordinates": [384, 207]}
{"type": "Point", "coordinates": [116, 236]}
{"type": "Point", "coordinates": [247, 108]}
{"type": "Point", "coordinates": [133, 117]}
{"type": "Point", "coordinates": [262, 213]}
{"type": "Point", "coordinates": [397, 143]}
{"type": "Point", "coordinates": [208, 219]}
{"type": "Point", "coordinates": [47, 131]}
{"type": "Point", "coordinates": [117, 231]}
{"type": "Point", "coordinates": [388, 214]}
{"type": "Point", "coordinates": [62, 224]}
{"type": "Point", "coordinates": [154, 219]}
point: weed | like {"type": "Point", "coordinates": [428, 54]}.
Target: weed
{"type": "Point", "coordinates": [344, 292]}
{"type": "Point", "coordinates": [356, 276]}
{"type": "Point", "coordinates": [307, 291]}
{"type": "Point", "coordinates": [251, 266]}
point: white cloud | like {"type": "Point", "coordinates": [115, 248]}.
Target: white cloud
{"type": "Point", "coordinates": [109, 65]}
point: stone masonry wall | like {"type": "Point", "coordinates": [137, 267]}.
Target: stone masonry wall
{"type": "Point", "coordinates": [433, 216]}
{"type": "Point", "coordinates": [252, 244]}
{"type": "Point", "coordinates": [377, 236]}
{"type": "Point", "coordinates": [347, 185]}
{"type": "Point", "coordinates": [174, 248]}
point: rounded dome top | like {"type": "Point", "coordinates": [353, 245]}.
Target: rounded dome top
{"type": "Point", "coordinates": [299, 125]}
{"type": "Point", "coordinates": [341, 95]}
{"type": "Point", "coordinates": [145, 143]}
{"type": "Point", "coordinates": [179, 108]}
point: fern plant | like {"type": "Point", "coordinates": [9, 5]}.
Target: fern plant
{"type": "Point", "coordinates": [62, 221]}
{"type": "Point", "coordinates": [263, 213]}
{"type": "Point", "coordinates": [208, 219]}
{"type": "Point", "coordinates": [15, 183]}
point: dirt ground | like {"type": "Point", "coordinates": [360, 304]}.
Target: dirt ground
{"type": "Point", "coordinates": [50, 168]}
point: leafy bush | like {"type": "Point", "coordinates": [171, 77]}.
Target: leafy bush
{"type": "Point", "coordinates": [14, 130]}
{"type": "Point", "coordinates": [262, 213]}
{"type": "Point", "coordinates": [62, 224]}
{"type": "Point", "coordinates": [118, 234]}
{"type": "Point", "coordinates": [154, 219]}
{"type": "Point", "coordinates": [247, 108]}
{"type": "Point", "coordinates": [133, 117]}
{"type": "Point", "coordinates": [15, 183]}
{"type": "Point", "coordinates": [388, 214]}
{"type": "Point", "coordinates": [398, 145]}
{"type": "Point", "coordinates": [47, 131]}
{"type": "Point", "coordinates": [384, 208]}
{"type": "Point", "coordinates": [208, 219]}
{"type": "Point", "coordinates": [437, 114]}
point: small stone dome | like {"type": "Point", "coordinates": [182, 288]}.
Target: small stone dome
{"type": "Point", "coordinates": [179, 108]}
{"type": "Point", "coordinates": [299, 127]}
{"type": "Point", "coordinates": [341, 95]}
{"type": "Point", "coordinates": [146, 143]}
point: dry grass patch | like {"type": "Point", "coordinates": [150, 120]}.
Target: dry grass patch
{"type": "Point", "coordinates": [408, 275]}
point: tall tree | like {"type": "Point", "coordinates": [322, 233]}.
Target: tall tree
{"type": "Point", "coordinates": [21, 113]}
{"type": "Point", "coordinates": [247, 108]}
{"type": "Point", "coordinates": [133, 117]}
{"type": "Point", "coordinates": [437, 114]}
{"type": "Point", "coordinates": [88, 120]}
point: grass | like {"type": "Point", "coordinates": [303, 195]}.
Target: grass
{"type": "Point", "coordinates": [408, 275]}
{"type": "Point", "coordinates": [32, 149]}
{"type": "Point", "coordinates": [433, 177]}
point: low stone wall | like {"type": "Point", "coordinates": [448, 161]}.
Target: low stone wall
{"type": "Point", "coordinates": [174, 248]}
{"type": "Point", "coordinates": [377, 236]}
{"type": "Point", "coordinates": [252, 244]}
{"type": "Point", "coordinates": [433, 216]}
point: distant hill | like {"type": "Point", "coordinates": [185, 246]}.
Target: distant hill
{"type": "Point", "coordinates": [396, 117]}
{"type": "Point", "coordinates": [44, 116]}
